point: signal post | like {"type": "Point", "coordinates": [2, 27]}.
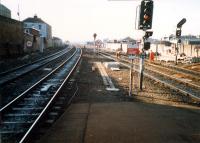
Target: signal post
{"type": "Point", "coordinates": [178, 36]}
{"type": "Point", "coordinates": [145, 23]}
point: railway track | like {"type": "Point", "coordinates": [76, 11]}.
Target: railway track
{"type": "Point", "coordinates": [182, 70]}
{"type": "Point", "coordinates": [21, 116]}
{"type": "Point", "coordinates": [17, 72]}
{"type": "Point", "coordinates": [19, 84]}
{"type": "Point", "coordinates": [182, 86]}
{"type": "Point", "coordinates": [173, 68]}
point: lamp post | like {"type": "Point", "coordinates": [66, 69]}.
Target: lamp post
{"type": "Point", "coordinates": [94, 36]}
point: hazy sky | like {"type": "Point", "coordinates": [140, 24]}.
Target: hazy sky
{"type": "Point", "coordinates": [77, 20]}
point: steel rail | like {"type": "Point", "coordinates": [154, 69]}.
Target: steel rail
{"type": "Point", "coordinates": [25, 137]}
{"type": "Point", "coordinates": [25, 65]}
{"type": "Point", "coordinates": [178, 69]}
{"type": "Point", "coordinates": [169, 76]}
{"type": "Point", "coordinates": [187, 93]}
{"type": "Point", "coordinates": [174, 78]}
{"type": "Point", "coordinates": [175, 69]}
{"type": "Point", "coordinates": [42, 63]}
{"type": "Point", "coordinates": [187, 71]}
{"type": "Point", "coordinates": [36, 84]}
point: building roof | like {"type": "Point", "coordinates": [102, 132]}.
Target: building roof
{"type": "Point", "coordinates": [56, 38]}
{"type": "Point", "coordinates": [4, 11]}
{"type": "Point", "coordinates": [34, 19]}
{"type": "Point", "coordinates": [129, 39]}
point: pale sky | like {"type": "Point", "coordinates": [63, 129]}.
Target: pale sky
{"type": "Point", "coordinates": [77, 20]}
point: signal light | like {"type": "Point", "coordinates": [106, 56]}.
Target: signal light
{"type": "Point", "coordinates": [146, 14]}
{"type": "Point", "coordinates": [180, 24]}
{"type": "Point", "coordinates": [147, 45]}
{"type": "Point", "coordinates": [178, 32]}
{"type": "Point", "coordinates": [94, 35]}
{"type": "Point", "coordinates": [148, 34]}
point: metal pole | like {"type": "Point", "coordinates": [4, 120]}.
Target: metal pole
{"type": "Point", "coordinates": [94, 47]}
{"type": "Point", "coordinates": [176, 48]}
{"type": "Point", "coordinates": [142, 65]}
{"type": "Point", "coordinates": [141, 69]}
{"type": "Point", "coordinates": [131, 79]}
{"type": "Point", "coordinates": [0, 116]}
{"type": "Point", "coordinates": [156, 51]}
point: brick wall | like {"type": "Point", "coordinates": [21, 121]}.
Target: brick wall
{"type": "Point", "coordinates": [11, 37]}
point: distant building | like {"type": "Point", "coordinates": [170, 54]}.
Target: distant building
{"type": "Point", "coordinates": [114, 45]}
{"type": "Point", "coordinates": [57, 42]}
{"type": "Point", "coordinates": [185, 39]}
{"type": "Point", "coordinates": [167, 47]}
{"type": "Point", "coordinates": [4, 11]}
{"type": "Point", "coordinates": [128, 40]}
{"type": "Point", "coordinates": [44, 28]}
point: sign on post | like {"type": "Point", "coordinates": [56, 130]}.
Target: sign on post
{"type": "Point", "coordinates": [132, 51]}
{"type": "Point", "coordinates": [29, 43]}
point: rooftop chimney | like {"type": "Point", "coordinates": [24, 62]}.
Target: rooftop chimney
{"type": "Point", "coordinates": [35, 17]}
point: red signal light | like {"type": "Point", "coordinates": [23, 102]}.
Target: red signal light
{"type": "Point", "coordinates": [146, 17]}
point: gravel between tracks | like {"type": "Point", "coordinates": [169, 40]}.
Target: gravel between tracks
{"type": "Point", "coordinates": [152, 91]}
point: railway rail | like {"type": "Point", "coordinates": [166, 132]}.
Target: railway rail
{"type": "Point", "coordinates": [166, 66]}
{"type": "Point", "coordinates": [184, 87]}
{"type": "Point", "coordinates": [19, 84]}
{"type": "Point", "coordinates": [17, 72]}
{"type": "Point", "coordinates": [22, 115]}
{"type": "Point", "coordinates": [182, 70]}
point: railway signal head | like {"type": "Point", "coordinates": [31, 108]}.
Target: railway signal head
{"type": "Point", "coordinates": [148, 34]}
{"type": "Point", "coordinates": [178, 32]}
{"type": "Point", "coordinates": [180, 24]}
{"type": "Point", "coordinates": [94, 35]}
{"type": "Point", "coordinates": [146, 14]}
{"type": "Point", "coordinates": [147, 45]}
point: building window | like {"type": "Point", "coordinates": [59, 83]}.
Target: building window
{"type": "Point", "coordinates": [40, 27]}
